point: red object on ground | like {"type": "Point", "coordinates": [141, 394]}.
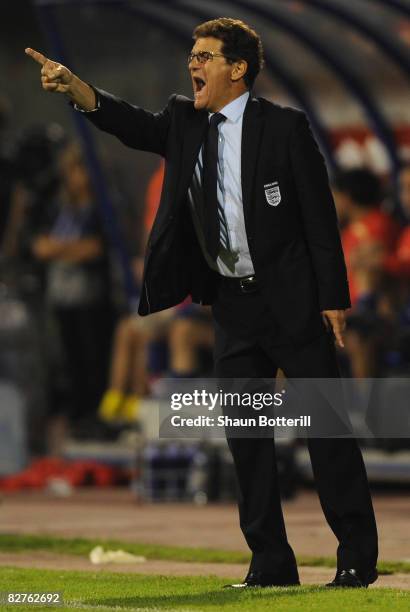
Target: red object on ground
{"type": "Point", "coordinates": [76, 473]}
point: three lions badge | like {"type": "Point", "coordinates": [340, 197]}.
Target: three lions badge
{"type": "Point", "coordinates": [272, 193]}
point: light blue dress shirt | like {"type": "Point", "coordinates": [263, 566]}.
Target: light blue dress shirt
{"type": "Point", "coordinates": [234, 261]}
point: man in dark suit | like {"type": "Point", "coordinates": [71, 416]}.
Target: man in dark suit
{"type": "Point", "coordinates": [247, 223]}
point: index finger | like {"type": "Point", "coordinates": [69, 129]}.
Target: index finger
{"type": "Point", "coordinates": [36, 55]}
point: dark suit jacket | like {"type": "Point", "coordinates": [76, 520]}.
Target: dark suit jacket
{"type": "Point", "coordinates": [295, 245]}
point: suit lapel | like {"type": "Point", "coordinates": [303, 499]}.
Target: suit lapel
{"type": "Point", "coordinates": [251, 136]}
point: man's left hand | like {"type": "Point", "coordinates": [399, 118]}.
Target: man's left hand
{"type": "Point", "coordinates": [335, 320]}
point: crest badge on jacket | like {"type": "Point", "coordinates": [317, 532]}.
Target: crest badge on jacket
{"type": "Point", "coordinates": [272, 193]}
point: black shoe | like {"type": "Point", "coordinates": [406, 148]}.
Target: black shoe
{"type": "Point", "coordinates": [352, 579]}
{"type": "Point", "coordinates": [262, 579]}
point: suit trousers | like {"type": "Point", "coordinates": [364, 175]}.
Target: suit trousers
{"type": "Point", "coordinates": [250, 344]}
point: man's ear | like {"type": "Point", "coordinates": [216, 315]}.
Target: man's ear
{"type": "Point", "coordinates": [239, 69]}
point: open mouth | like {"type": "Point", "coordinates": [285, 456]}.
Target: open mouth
{"type": "Point", "coordinates": [198, 84]}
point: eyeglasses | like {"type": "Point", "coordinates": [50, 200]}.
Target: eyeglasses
{"type": "Point", "coordinates": [204, 56]}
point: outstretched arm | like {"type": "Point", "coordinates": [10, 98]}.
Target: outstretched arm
{"type": "Point", "coordinates": [134, 126]}
{"type": "Point", "coordinates": [58, 79]}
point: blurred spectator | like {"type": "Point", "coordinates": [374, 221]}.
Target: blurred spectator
{"type": "Point", "coordinates": [398, 263]}
{"type": "Point", "coordinates": [368, 233]}
{"type": "Point", "coordinates": [72, 247]}
{"type": "Point", "coordinates": [30, 183]}
{"type": "Point", "coordinates": [36, 181]}
{"type": "Point", "coordinates": [377, 327]}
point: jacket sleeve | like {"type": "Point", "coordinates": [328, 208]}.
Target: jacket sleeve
{"type": "Point", "coordinates": [319, 217]}
{"type": "Point", "coordinates": [134, 126]}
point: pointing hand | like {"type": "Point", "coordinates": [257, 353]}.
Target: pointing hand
{"type": "Point", "coordinates": [54, 76]}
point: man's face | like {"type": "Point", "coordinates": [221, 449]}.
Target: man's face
{"type": "Point", "coordinates": [211, 81]}
{"type": "Point", "coordinates": [405, 190]}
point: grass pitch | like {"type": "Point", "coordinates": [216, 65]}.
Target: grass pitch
{"type": "Point", "coordinates": [94, 591]}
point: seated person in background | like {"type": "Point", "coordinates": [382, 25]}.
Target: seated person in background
{"type": "Point", "coordinates": [168, 340]}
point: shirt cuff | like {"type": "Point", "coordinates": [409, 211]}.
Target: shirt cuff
{"type": "Point", "coordinates": [93, 110]}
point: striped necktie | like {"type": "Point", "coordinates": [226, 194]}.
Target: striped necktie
{"type": "Point", "coordinates": [215, 230]}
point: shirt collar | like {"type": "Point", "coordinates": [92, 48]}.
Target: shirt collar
{"type": "Point", "coordinates": [235, 109]}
